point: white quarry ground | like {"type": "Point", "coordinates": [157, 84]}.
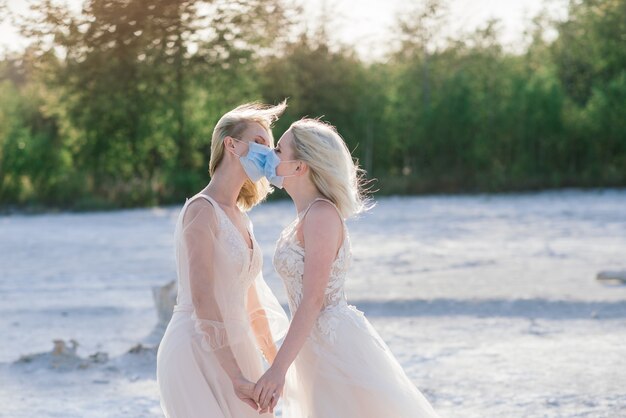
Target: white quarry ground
{"type": "Point", "coordinates": [496, 305]}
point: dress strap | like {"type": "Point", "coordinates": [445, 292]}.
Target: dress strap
{"type": "Point", "coordinates": [194, 197]}
{"type": "Point", "coordinates": [304, 212]}
{"type": "Point", "coordinates": [209, 199]}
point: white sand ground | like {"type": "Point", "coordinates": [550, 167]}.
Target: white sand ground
{"type": "Point", "coordinates": [489, 302]}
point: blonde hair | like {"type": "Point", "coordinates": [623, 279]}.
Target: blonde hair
{"type": "Point", "coordinates": [333, 171]}
{"type": "Point", "coordinates": [233, 124]}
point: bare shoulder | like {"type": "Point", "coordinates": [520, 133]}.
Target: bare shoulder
{"type": "Point", "coordinates": [323, 220]}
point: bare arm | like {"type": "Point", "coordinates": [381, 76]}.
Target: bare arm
{"type": "Point", "coordinates": [322, 230]}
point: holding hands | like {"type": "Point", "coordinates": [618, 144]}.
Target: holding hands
{"type": "Point", "coordinates": [263, 396]}
{"type": "Point", "coordinates": [269, 389]}
{"type": "Point", "coordinates": [244, 389]}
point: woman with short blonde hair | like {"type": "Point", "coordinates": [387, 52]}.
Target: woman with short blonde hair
{"type": "Point", "coordinates": [232, 125]}
{"type": "Point", "coordinates": [225, 315]}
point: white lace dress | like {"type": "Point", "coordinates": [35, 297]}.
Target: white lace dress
{"type": "Point", "coordinates": [214, 260]}
{"type": "Point", "coordinates": [345, 369]}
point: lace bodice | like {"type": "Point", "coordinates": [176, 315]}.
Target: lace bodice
{"type": "Point", "coordinates": [289, 263]}
{"type": "Point", "coordinates": [249, 261]}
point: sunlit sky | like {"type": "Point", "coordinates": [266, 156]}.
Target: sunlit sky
{"type": "Point", "coordinates": [368, 24]}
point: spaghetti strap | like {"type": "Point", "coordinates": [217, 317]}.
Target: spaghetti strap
{"type": "Point", "coordinates": [304, 212]}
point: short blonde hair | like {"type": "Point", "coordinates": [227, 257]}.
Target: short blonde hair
{"type": "Point", "coordinates": [233, 124]}
{"type": "Point", "coordinates": [333, 171]}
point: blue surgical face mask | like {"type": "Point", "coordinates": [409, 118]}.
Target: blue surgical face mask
{"type": "Point", "coordinates": [271, 163]}
{"type": "Point", "coordinates": [254, 161]}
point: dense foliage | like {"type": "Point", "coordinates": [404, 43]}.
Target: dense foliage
{"type": "Point", "coordinates": [115, 106]}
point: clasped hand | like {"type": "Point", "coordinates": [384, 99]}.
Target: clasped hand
{"type": "Point", "coordinates": [262, 396]}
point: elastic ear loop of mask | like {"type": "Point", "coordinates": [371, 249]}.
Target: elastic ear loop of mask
{"type": "Point", "coordinates": [239, 140]}
{"type": "Point", "coordinates": [290, 161]}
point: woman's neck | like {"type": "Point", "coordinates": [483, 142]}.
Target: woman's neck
{"type": "Point", "coordinates": [224, 187]}
{"type": "Point", "coordinates": [304, 195]}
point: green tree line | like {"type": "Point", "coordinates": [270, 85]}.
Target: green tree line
{"type": "Point", "coordinates": [115, 106]}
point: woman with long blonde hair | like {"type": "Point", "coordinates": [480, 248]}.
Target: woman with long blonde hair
{"type": "Point", "coordinates": [225, 315]}
{"type": "Point", "coordinates": [334, 362]}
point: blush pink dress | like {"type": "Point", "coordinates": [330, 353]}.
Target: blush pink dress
{"type": "Point", "coordinates": [214, 260]}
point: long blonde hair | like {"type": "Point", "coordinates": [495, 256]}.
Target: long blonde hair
{"type": "Point", "coordinates": [333, 171]}
{"type": "Point", "coordinates": [233, 124]}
